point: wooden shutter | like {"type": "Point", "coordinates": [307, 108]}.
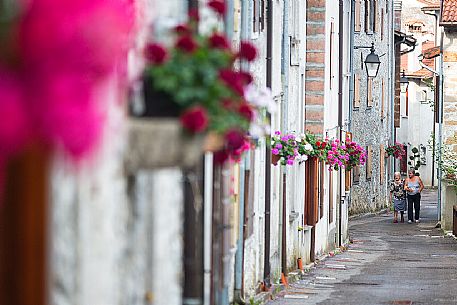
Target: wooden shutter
{"type": "Point", "coordinates": [369, 164]}
{"type": "Point", "coordinates": [356, 174]}
{"type": "Point", "coordinates": [368, 16]}
{"type": "Point", "coordinates": [357, 24]}
{"type": "Point", "coordinates": [356, 91]}
{"type": "Point", "coordinates": [383, 96]}
{"type": "Point", "coordinates": [330, 195]}
{"type": "Point", "coordinates": [370, 92]}
{"type": "Point", "coordinates": [382, 24]}
{"type": "Point", "coordinates": [321, 188]}
{"type": "Point", "coordinates": [312, 192]}
{"type": "Point", "coordinates": [381, 164]}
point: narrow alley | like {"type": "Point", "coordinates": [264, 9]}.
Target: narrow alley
{"type": "Point", "coordinates": [386, 263]}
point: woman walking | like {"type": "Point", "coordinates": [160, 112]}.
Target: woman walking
{"type": "Point", "coordinates": [413, 187]}
{"type": "Point", "coordinates": [398, 194]}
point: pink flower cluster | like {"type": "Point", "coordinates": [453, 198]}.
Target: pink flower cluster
{"type": "Point", "coordinates": [355, 153]}
{"type": "Point", "coordinates": [63, 55]}
{"type": "Point", "coordinates": [285, 147]}
{"type": "Point", "coordinates": [336, 155]}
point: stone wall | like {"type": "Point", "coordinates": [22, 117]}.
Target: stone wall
{"type": "Point", "coordinates": [449, 116]}
{"type": "Point", "coordinates": [368, 126]}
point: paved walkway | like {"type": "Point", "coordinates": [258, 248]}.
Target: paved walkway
{"type": "Point", "coordinates": [386, 264]}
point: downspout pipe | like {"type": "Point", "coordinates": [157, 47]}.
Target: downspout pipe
{"type": "Point", "coordinates": [239, 257]}
{"type": "Point", "coordinates": [239, 298]}
{"type": "Point", "coordinates": [269, 63]}
{"type": "Point", "coordinates": [285, 64]}
{"type": "Point", "coordinates": [351, 65]}
{"type": "Point", "coordinates": [340, 110]}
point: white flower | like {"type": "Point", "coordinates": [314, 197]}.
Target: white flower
{"type": "Point", "coordinates": [304, 157]}
{"type": "Point", "coordinates": [260, 97]}
{"type": "Point", "coordinates": [309, 147]}
{"type": "Point", "coordinates": [298, 139]}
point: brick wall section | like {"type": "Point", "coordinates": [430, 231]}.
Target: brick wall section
{"type": "Point", "coordinates": [315, 66]}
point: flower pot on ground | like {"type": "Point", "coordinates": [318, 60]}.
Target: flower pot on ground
{"type": "Point", "coordinates": [160, 143]}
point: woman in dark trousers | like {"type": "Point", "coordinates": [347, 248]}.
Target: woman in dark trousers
{"type": "Point", "coordinates": [413, 188]}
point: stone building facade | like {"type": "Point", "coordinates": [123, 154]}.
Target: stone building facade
{"type": "Point", "coordinates": [371, 114]}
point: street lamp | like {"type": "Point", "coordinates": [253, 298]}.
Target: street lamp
{"type": "Point", "coordinates": [404, 82]}
{"type": "Point", "coordinates": [372, 61]}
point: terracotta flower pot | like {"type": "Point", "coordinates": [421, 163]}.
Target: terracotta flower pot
{"type": "Point", "coordinates": [275, 159]}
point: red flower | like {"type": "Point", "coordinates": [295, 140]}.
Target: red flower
{"type": "Point", "coordinates": [227, 104]}
{"type": "Point", "coordinates": [187, 44]}
{"type": "Point", "coordinates": [234, 139]}
{"type": "Point", "coordinates": [246, 111]}
{"type": "Point", "coordinates": [195, 119]}
{"type": "Point", "coordinates": [221, 156]}
{"type": "Point", "coordinates": [324, 144]}
{"type": "Point", "coordinates": [155, 53]}
{"type": "Point", "coordinates": [218, 41]}
{"type": "Point", "coordinates": [194, 15]}
{"type": "Point", "coordinates": [218, 6]}
{"type": "Point", "coordinates": [232, 79]}
{"type": "Point", "coordinates": [246, 77]}
{"type": "Point", "coordinates": [247, 51]}
{"type": "Point", "coordinates": [318, 144]}
{"type": "Point", "coordinates": [182, 29]}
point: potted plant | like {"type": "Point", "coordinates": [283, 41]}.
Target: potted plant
{"type": "Point", "coordinates": [354, 154]}
{"type": "Point", "coordinates": [194, 81]}
{"type": "Point", "coordinates": [397, 151]}
{"type": "Point", "coordinates": [284, 149]}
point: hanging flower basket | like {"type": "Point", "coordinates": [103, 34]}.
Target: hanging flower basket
{"type": "Point", "coordinates": [275, 159]}
{"type": "Point", "coordinates": [160, 143]}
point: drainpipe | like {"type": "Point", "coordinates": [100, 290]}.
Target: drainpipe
{"type": "Point", "coordinates": [440, 126]}
{"type": "Point", "coordinates": [391, 81]}
{"type": "Point", "coordinates": [239, 256]}
{"type": "Point", "coordinates": [285, 64]}
{"type": "Point", "coordinates": [207, 228]}
{"type": "Point", "coordinates": [239, 298]}
{"type": "Point", "coordinates": [351, 65]}
{"type": "Point", "coordinates": [340, 111]}
{"type": "Point", "coordinates": [266, 259]}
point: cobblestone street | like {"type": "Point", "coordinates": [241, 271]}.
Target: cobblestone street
{"type": "Point", "coordinates": [386, 264]}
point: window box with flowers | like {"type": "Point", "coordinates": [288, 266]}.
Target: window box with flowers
{"type": "Point", "coordinates": [195, 82]}
{"type": "Point", "coordinates": [284, 149]}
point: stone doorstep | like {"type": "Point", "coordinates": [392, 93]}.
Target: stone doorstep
{"type": "Point", "coordinates": [294, 276]}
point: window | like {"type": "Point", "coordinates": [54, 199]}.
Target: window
{"type": "Point", "coordinates": [370, 92]}
{"type": "Point", "coordinates": [357, 25]}
{"type": "Point", "coordinates": [368, 28]}
{"type": "Point", "coordinates": [356, 91]}
{"type": "Point", "coordinates": [356, 174]}
{"type": "Point", "coordinates": [370, 15]}
{"type": "Point", "coordinates": [374, 17]}
{"type": "Point", "coordinates": [331, 54]}
{"type": "Point", "coordinates": [369, 164]}
{"type": "Point", "coordinates": [258, 20]}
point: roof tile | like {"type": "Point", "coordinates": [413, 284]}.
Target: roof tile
{"type": "Point", "coordinates": [449, 11]}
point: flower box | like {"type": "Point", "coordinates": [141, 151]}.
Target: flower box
{"type": "Point", "coordinates": [159, 143]}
